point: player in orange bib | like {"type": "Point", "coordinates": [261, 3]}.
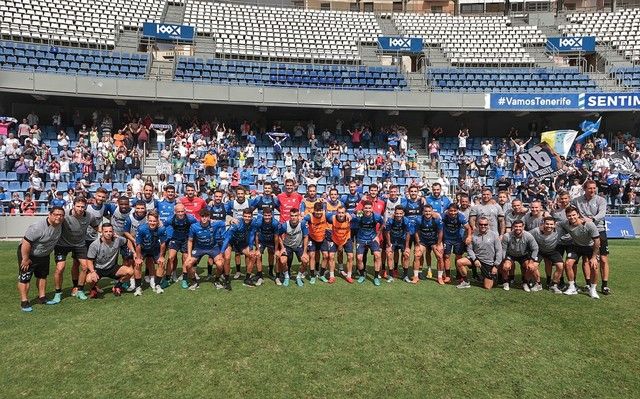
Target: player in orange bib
{"type": "Point", "coordinates": [317, 225]}
{"type": "Point", "coordinates": [340, 240]}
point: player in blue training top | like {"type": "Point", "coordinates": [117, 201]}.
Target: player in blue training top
{"type": "Point", "coordinates": [265, 201]}
{"type": "Point", "coordinates": [265, 230]}
{"type": "Point", "coordinates": [166, 206]}
{"type": "Point", "coordinates": [238, 239]}
{"type": "Point", "coordinates": [429, 236]}
{"type": "Point", "coordinates": [177, 227]}
{"type": "Point", "coordinates": [398, 231]}
{"type": "Point", "coordinates": [203, 241]}
{"type": "Point", "coordinates": [454, 223]}
{"type": "Point", "coordinates": [366, 227]}
{"type": "Point", "coordinates": [151, 242]}
{"type": "Point", "coordinates": [218, 213]}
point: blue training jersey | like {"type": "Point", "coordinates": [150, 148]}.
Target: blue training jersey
{"type": "Point", "coordinates": [398, 230]}
{"type": "Point", "coordinates": [412, 209]}
{"type": "Point", "coordinates": [150, 240]}
{"type": "Point", "coordinates": [178, 229]}
{"type": "Point", "coordinates": [439, 204]}
{"type": "Point", "coordinates": [350, 202]}
{"type": "Point", "coordinates": [366, 227]}
{"type": "Point", "coordinates": [429, 229]}
{"type": "Point", "coordinates": [263, 202]}
{"type": "Point", "coordinates": [206, 236]}
{"type": "Point", "coordinates": [218, 211]}
{"type": "Point", "coordinates": [453, 227]}
{"type": "Point", "coordinates": [165, 209]}
{"type": "Point", "coordinates": [239, 234]}
{"type": "Point", "coordinates": [266, 231]}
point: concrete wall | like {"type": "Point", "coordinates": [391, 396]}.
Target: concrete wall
{"type": "Point", "coordinates": [97, 87]}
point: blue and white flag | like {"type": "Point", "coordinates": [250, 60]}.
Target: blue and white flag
{"type": "Point", "coordinates": [589, 128]}
{"type": "Point", "coordinates": [560, 140]}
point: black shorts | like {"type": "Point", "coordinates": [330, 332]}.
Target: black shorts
{"type": "Point", "coordinates": [604, 243]}
{"type": "Point", "coordinates": [485, 269]}
{"type": "Point", "coordinates": [562, 249]}
{"type": "Point", "coordinates": [77, 253]}
{"type": "Point", "coordinates": [108, 273]}
{"type": "Point", "coordinates": [39, 267]}
{"type": "Point", "coordinates": [518, 259]}
{"type": "Point", "coordinates": [554, 256]}
{"type": "Point", "coordinates": [578, 251]}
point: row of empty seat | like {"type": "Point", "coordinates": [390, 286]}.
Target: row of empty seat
{"type": "Point", "coordinates": [293, 33]}
{"type": "Point", "coordinates": [627, 76]}
{"type": "Point", "coordinates": [477, 40]}
{"type": "Point", "coordinates": [40, 58]}
{"type": "Point", "coordinates": [509, 79]}
{"type": "Point", "coordinates": [289, 74]}
{"type": "Point", "coordinates": [619, 28]}
{"type": "Point", "coordinates": [90, 23]}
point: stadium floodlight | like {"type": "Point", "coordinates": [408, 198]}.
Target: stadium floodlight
{"type": "Point", "coordinates": [194, 105]}
{"type": "Point", "coordinates": [39, 97]}
{"type": "Point", "coordinates": [121, 103]}
{"type": "Point", "coordinates": [393, 112]}
{"type": "Point", "coordinates": [262, 109]}
{"type": "Point", "coordinates": [329, 111]}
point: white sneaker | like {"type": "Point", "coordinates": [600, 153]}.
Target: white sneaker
{"type": "Point", "coordinates": [158, 289]}
{"type": "Point", "coordinates": [505, 286]}
{"type": "Point", "coordinates": [554, 288]}
{"type": "Point", "coordinates": [237, 276]}
{"type": "Point", "coordinates": [174, 277]}
{"type": "Point", "coordinates": [593, 293]}
{"type": "Point", "coordinates": [138, 291]}
{"type": "Point", "coordinates": [218, 285]}
{"type": "Point", "coordinates": [389, 278]}
{"type": "Point", "coordinates": [571, 291]}
{"type": "Point", "coordinates": [194, 287]}
{"type": "Point", "coordinates": [343, 273]}
{"type": "Point", "coordinates": [132, 284]}
{"type": "Point", "coordinates": [464, 284]}
{"type": "Point", "coordinates": [536, 288]}
{"type": "Point", "coordinates": [406, 279]}
{"type": "Point", "coordinates": [525, 287]}
{"type": "Point", "coordinates": [278, 282]}
{"type": "Point", "coordinates": [152, 283]}
{"type": "Point", "coordinates": [259, 282]}
{"type": "Point", "coordinates": [147, 279]}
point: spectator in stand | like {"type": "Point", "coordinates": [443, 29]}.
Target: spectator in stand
{"type": "Point", "coordinates": [434, 147]}
{"type": "Point", "coordinates": [403, 140]}
{"type": "Point", "coordinates": [23, 131]}
{"type": "Point", "coordinates": [21, 169]}
{"type": "Point", "coordinates": [273, 174]}
{"type": "Point", "coordinates": [28, 206]}
{"type": "Point", "coordinates": [36, 185]}
{"type": "Point", "coordinates": [63, 140]}
{"type": "Point", "coordinates": [463, 135]}
{"type": "Point", "coordinates": [290, 175]}
{"type": "Point", "coordinates": [444, 182]}
{"type": "Point", "coordinates": [313, 143]}
{"type": "Point", "coordinates": [356, 137]}
{"type": "Point", "coordinates": [15, 205]}
{"type": "Point", "coordinates": [519, 145]}
{"type": "Point", "coordinates": [486, 148]}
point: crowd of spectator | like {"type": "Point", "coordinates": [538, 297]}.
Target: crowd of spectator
{"type": "Point", "coordinates": [85, 152]}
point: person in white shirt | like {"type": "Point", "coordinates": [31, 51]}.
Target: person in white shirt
{"type": "Point", "coordinates": [273, 174]}
{"type": "Point", "coordinates": [463, 134]}
{"type": "Point", "coordinates": [224, 180]}
{"type": "Point", "coordinates": [486, 148]}
{"type": "Point", "coordinates": [136, 184]}
{"type": "Point", "coordinates": [403, 143]}
{"type": "Point", "coordinates": [161, 139]}
{"type": "Point", "coordinates": [65, 171]}
{"type": "Point", "coordinates": [63, 139]}
{"type": "Point", "coordinates": [600, 164]}
{"type": "Point", "coordinates": [289, 174]}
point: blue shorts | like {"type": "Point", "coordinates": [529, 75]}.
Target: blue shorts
{"type": "Point", "coordinates": [238, 247]}
{"type": "Point", "coordinates": [263, 247]}
{"type": "Point", "coordinates": [315, 246]}
{"type": "Point", "coordinates": [178, 245]}
{"type": "Point", "coordinates": [153, 255]}
{"type": "Point", "coordinates": [397, 245]}
{"type": "Point", "coordinates": [333, 247]}
{"type": "Point", "coordinates": [290, 251]}
{"type": "Point", "coordinates": [210, 252]}
{"type": "Point", "coordinates": [372, 245]}
{"type": "Point", "coordinates": [458, 248]}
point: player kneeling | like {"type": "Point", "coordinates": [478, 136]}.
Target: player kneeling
{"type": "Point", "coordinates": [519, 246]}
{"type": "Point", "coordinates": [203, 241]}
{"type": "Point", "coordinates": [484, 252]}
{"type": "Point", "coordinates": [103, 261]}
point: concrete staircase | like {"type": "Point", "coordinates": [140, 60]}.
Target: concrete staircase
{"type": "Point", "coordinates": [416, 81]}
{"type": "Point", "coordinates": [604, 81]}
{"type": "Point", "coordinates": [435, 57]}
{"type": "Point", "coordinates": [174, 14]}
{"type": "Point", "coordinates": [128, 41]}
{"type": "Point", "coordinates": [369, 55]}
{"type": "Point", "coordinates": [161, 70]}
{"type": "Point", "coordinates": [612, 57]}
{"type": "Point", "coordinates": [150, 163]}
{"type": "Point", "coordinates": [205, 46]}
{"type": "Point", "coordinates": [387, 27]}
{"type": "Point", "coordinates": [541, 56]}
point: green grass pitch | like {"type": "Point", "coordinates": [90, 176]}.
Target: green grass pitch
{"type": "Point", "coordinates": [344, 340]}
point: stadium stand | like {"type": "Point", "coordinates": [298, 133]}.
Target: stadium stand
{"type": "Point", "coordinates": [628, 76]}
{"type": "Point", "coordinates": [84, 23]}
{"type": "Point", "coordinates": [289, 74]}
{"type": "Point", "coordinates": [619, 29]}
{"type": "Point", "coordinates": [40, 58]}
{"type": "Point", "coordinates": [283, 33]}
{"type": "Point", "coordinates": [509, 79]}
{"type": "Point", "coordinates": [473, 41]}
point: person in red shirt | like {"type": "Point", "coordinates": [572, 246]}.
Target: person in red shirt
{"type": "Point", "coordinates": [192, 204]}
{"type": "Point", "coordinates": [288, 200]}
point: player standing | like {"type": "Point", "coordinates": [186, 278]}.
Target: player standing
{"type": "Point", "coordinates": [151, 246]}
{"type": "Point", "coordinates": [367, 227]}
{"type": "Point", "coordinates": [294, 237]}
